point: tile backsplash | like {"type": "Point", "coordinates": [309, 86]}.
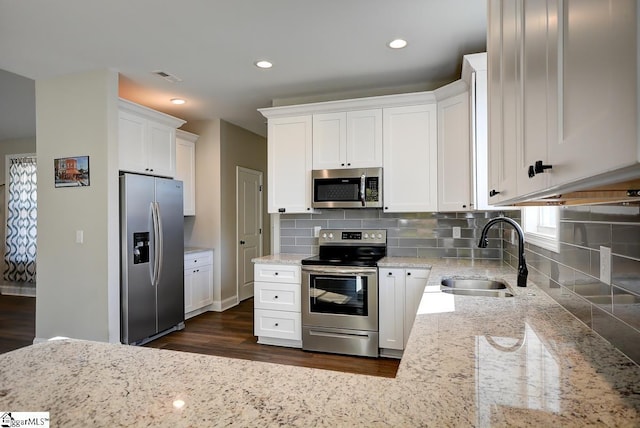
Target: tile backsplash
{"type": "Point", "coordinates": [408, 234]}
{"type": "Point", "coordinates": [572, 276]}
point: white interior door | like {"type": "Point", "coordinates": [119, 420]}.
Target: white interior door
{"type": "Point", "coordinates": [248, 227]}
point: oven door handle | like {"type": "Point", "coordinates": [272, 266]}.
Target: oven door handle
{"type": "Point", "coordinates": [341, 270]}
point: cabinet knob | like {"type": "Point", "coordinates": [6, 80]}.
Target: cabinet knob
{"type": "Point", "coordinates": [276, 324]}
{"type": "Point", "coordinates": [275, 297]}
{"type": "Point", "coordinates": [341, 164]}
{"type": "Point", "coordinates": [276, 273]}
{"type": "Point", "coordinates": [464, 206]}
{"type": "Point", "coordinates": [242, 242]}
{"type": "Point", "coordinates": [408, 273]}
{"type": "Point", "coordinates": [348, 164]}
{"type": "Point", "coordinates": [308, 209]}
{"type": "Point", "coordinates": [389, 274]}
{"type": "Point", "coordinates": [493, 192]}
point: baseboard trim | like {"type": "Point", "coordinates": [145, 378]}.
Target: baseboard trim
{"type": "Point", "coordinates": [223, 305]}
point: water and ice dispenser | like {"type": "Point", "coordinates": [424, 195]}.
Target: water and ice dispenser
{"type": "Point", "coordinates": [140, 247]}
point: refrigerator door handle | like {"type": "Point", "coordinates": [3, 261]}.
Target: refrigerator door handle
{"type": "Point", "coordinates": [160, 246]}
{"type": "Point", "coordinates": [156, 244]}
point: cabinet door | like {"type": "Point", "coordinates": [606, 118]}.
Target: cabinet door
{"type": "Point", "coordinates": [598, 80]}
{"type": "Point", "coordinates": [188, 293]}
{"type": "Point", "coordinates": [330, 141]}
{"type": "Point", "coordinates": [415, 282]}
{"type": "Point", "coordinates": [503, 46]}
{"type": "Point", "coordinates": [186, 172]}
{"type": "Point", "coordinates": [391, 289]}
{"type": "Point", "coordinates": [410, 159]}
{"type": "Point", "coordinates": [454, 154]}
{"type": "Point", "coordinates": [539, 94]}
{"type": "Point", "coordinates": [132, 134]}
{"type": "Point", "coordinates": [202, 286]}
{"type": "Point", "coordinates": [162, 149]}
{"type": "Point", "coordinates": [364, 139]}
{"type": "Point", "coordinates": [289, 164]}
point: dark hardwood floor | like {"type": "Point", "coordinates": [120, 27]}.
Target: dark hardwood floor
{"type": "Point", "coordinates": [227, 334]}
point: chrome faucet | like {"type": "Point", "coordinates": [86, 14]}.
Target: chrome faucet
{"type": "Point", "coordinates": [522, 264]}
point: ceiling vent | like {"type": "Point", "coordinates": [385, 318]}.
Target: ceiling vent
{"type": "Point", "coordinates": [166, 76]}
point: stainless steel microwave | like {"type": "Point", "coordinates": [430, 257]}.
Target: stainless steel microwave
{"type": "Point", "coordinates": [347, 188]}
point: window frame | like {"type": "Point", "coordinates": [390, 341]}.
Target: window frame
{"type": "Point", "coordinates": [541, 235]}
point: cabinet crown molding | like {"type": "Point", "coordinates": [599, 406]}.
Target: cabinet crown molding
{"type": "Point", "coordinates": [383, 101]}
{"type": "Point", "coordinates": [149, 113]}
{"type": "Point", "coordinates": [187, 135]}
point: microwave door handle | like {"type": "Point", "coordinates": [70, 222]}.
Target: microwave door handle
{"type": "Point", "coordinates": [362, 184]}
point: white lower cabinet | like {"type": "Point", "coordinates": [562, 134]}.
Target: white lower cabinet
{"type": "Point", "coordinates": [277, 305]}
{"type": "Point", "coordinates": [400, 292]}
{"type": "Point", "coordinates": [198, 282]}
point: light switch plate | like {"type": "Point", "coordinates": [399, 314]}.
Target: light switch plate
{"type": "Point", "coordinates": [456, 232]}
{"type": "Point", "coordinates": [79, 236]}
{"type": "Point", "coordinates": [605, 265]}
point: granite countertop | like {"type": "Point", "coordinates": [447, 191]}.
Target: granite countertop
{"type": "Point", "coordinates": [281, 259]}
{"type": "Point", "coordinates": [470, 361]}
{"type": "Point", "coordinates": [188, 250]}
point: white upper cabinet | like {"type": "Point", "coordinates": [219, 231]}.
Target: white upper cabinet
{"type": "Point", "coordinates": [598, 89]}
{"type": "Point", "coordinates": [410, 171]}
{"type": "Point", "coordinates": [563, 96]}
{"type": "Point", "coordinates": [350, 139]}
{"type": "Point", "coordinates": [289, 153]}
{"type": "Point", "coordinates": [186, 168]}
{"type": "Point", "coordinates": [146, 140]}
{"type": "Point", "coordinates": [539, 94]}
{"type": "Point", "coordinates": [455, 192]}
{"type": "Point", "coordinates": [503, 64]}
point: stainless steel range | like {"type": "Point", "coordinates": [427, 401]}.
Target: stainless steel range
{"type": "Point", "coordinates": [340, 292]}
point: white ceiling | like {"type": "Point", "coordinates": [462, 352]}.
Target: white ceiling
{"type": "Point", "coordinates": [321, 50]}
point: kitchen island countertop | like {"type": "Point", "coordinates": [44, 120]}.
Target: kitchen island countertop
{"type": "Point", "coordinates": [470, 361]}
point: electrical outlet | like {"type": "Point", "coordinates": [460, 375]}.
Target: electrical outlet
{"type": "Point", "coordinates": [316, 231]}
{"type": "Point", "coordinates": [456, 232]}
{"type": "Point", "coordinates": [605, 265]}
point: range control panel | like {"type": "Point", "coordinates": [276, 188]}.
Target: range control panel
{"type": "Point", "coordinates": [346, 237]}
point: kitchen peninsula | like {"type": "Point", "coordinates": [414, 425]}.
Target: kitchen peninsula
{"type": "Point", "coordinates": [470, 361]}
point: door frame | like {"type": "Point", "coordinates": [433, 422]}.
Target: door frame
{"type": "Point", "coordinates": [260, 175]}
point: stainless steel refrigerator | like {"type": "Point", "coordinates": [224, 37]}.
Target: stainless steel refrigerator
{"type": "Point", "coordinates": [151, 257]}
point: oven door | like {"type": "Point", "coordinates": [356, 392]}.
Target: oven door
{"type": "Point", "coordinates": [340, 297]}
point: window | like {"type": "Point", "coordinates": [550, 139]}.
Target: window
{"type": "Point", "coordinates": [541, 225]}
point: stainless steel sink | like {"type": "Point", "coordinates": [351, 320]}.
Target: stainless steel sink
{"type": "Point", "coordinates": [482, 287]}
{"type": "Point", "coordinates": [474, 283]}
{"type": "Point", "coordinates": [481, 293]}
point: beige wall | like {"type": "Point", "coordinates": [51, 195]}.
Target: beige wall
{"type": "Point", "coordinates": [221, 147]}
{"type": "Point", "coordinates": [239, 148]}
{"type": "Point", "coordinates": [78, 284]}
{"type": "Point", "coordinates": [10, 147]}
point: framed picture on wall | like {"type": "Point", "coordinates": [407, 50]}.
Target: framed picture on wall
{"type": "Point", "coordinates": [71, 172]}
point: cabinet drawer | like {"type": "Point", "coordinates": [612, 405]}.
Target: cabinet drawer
{"type": "Point", "coordinates": [277, 324]}
{"type": "Point", "coordinates": [277, 273]}
{"type": "Point", "coordinates": [193, 260]}
{"type": "Point", "coordinates": [277, 296]}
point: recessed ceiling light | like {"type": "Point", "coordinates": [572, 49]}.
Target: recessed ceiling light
{"type": "Point", "coordinates": [263, 64]}
{"type": "Point", "coordinates": [397, 44]}
{"type": "Point", "coordinates": [178, 101]}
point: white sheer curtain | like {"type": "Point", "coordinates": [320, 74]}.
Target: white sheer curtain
{"type": "Point", "coordinates": [22, 214]}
